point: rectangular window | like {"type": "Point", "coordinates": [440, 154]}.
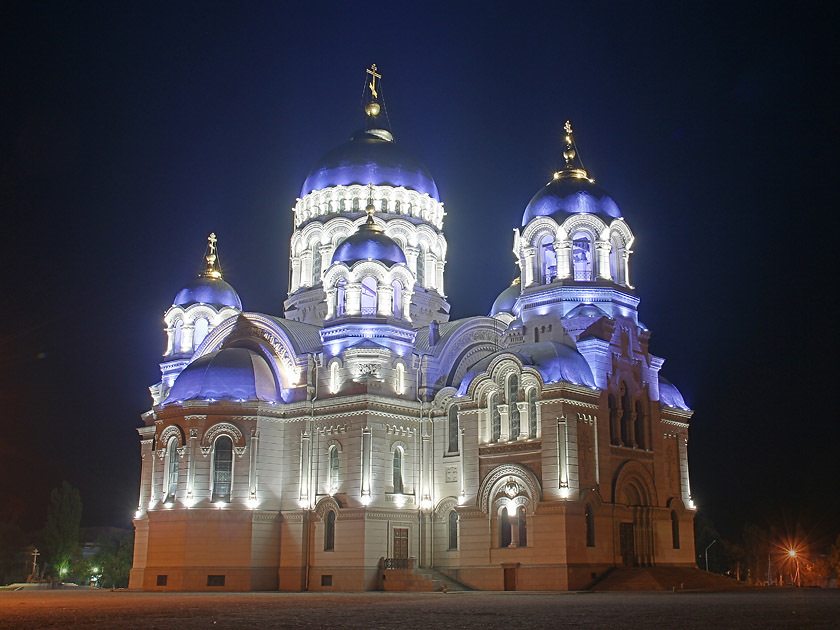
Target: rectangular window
{"type": "Point", "coordinates": [161, 580]}
{"type": "Point", "coordinates": [326, 580]}
{"type": "Point", "coordinates": [215, 580]}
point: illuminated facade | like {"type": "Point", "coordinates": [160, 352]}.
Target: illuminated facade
{"type": "Point", "coordinates": [365, 438]}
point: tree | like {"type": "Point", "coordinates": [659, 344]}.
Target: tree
{"type": "Point", "coordinates": [61, 533]}
{"type": "Point", "coordinates": [12, 543]}
{"type": "Point", "coordinates": [834, 557]}
{"type": "Point", "coordinates": [114, 558]}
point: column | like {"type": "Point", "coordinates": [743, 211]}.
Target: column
{"type": "Point", "coordinates": [385, 300]}
{"type": "Point", "coordinates": [530, 255]}
{"type": "Point", "coordinates": [331, 297]}
{"type": "Point", "coordinates": [505, 432]}
{"type": "Point", "coordinates": [295, 275]}
{"type": "Point", "coordinates": [411, 253]}
{"type": "Point", "coordinates": [562, 452]}
{"type": "Point", "coordinates": [563, 251]}
{"type": "Point", "coordinates": [602, 249]}
{"type": "Point", "coordinates": [524, 421]}
{"type": "Point", "coordinates": [440, 266]}
{"type": "Point", "coordinates": [306, 268]}
{"type": "Point", "coordinates": [366, 445]}
{"type": "Point", "coordinates": [406, 304]}
{"type": "Point", "coordinates": [305, 452]}
{"type": "Point", "coordinates": [353, 297]}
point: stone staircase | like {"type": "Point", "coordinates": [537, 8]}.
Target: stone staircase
{"type": "Point", "coordinates": [428, 580]}
{"type": "Point", "coordinates": [663, 579]}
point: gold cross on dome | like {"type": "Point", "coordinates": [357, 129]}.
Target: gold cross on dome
{"type": "Point", "coordinates": [372, 85]}
{"type": "Point", "coordinates": [211, 240]}
{"type": "Point", "coordinates": [568, 127]}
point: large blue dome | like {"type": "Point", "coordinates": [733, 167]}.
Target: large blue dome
{"type": "Point", "coordinates": [232, 374]}
{"type": "Point", "coordinates": [507, 299]}
{"type": "Point", "coordinates": [370, 157]}
{"type": "Point", "coordinates": [571, 195]}
{"type": "Point", "coordinates": [369, 242]}
{"type": "Point", "coordinates": [208, 290]}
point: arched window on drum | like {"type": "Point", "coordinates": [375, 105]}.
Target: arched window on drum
{"type": "Point", "coordinates": [548, 259]}
{"type": "Point", "coordinates": [582, 256]}
{"type": "Point", "coordinates": [368, 296]}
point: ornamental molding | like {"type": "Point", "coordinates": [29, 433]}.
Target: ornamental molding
{"type": "Point", "coordinates": [182, 450]}
{"type": "Point", "coordinates": [406, 499]}
{"type": "Point", "coordinates": [205, 450]}
{"type": "Point", "coordinates": [264, 517]}
{"type": "Point", "coordinates": [531, 446]}
{"type": "Point", "coordinates": [173, 430]}
{"type": "Point", "coordinates": [325, 505]}
{"type": "Point", "coordinates": [223, 428]}
{"type": "Point", "coordinates": [585, 418]}
{"type": "Point", "coordinates": [496, 480]}
{"type": "Point", "coordinates": [161, 452]}
{"type": "Point", "coordinates": [393, 429]}
{"type": "Point", "coordinates": [674, 423]}
{"type": "Point", "coordinates": [333, 429]}
{"type": "Point", "coordinates": [239, 450]}
{"type": "Point", "coordinates": [444, 506]}
{"type": "Point", "coordinates": [194, 418]}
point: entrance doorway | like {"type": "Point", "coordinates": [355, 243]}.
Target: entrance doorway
{"type": "Point", "coordinates": [401, 543]}
{"type": "Point", "coordinates": [628, 544]}
{"type": "Point", "coordinates": [510, 578]}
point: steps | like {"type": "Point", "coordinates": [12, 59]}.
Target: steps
{"type": "Point", "coordinates": [428, 580]}
{"type": "Point", "coordinates": [663, 579]}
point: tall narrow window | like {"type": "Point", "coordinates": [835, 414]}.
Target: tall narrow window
{"type": "Point", "coordinates": [454, 429]}
{"type": "Point", "coordinates": [421, 267]}
{"type": "Point", "coordinates": [582, 256]}
{"type": "Point", "coordinates": [453, 530]}
{"type": "Point", "coordinates": [339, 298]}
{"type": "Point", "coordinates": [400, 384]}
{"type": "Point", "coordinates": [523, 526]}
{"type": "Point", "coordinates": [200, 331]}
{"type": "Point", "coordinates": [329, 531]}
{"type": "Point", "coordinates": [398, 470]}
{"type": "Point", "coordinates": [316, 263]}
{"type": "Point", "coordinates": [675, 529]}
{"type": "Point", "coordinates": [639, 425]}
{"type": "Point", "coordinates": [398, 297]}
{"type": "Point", "coordinates": [355, 204]}
{"type": "Point", "coordinates": [590, 525]}
{"type": "Point", "coordinates": [222, 469]}
{"type": "Point", "coordinates": [548, 259]}
{"type": "Point", "coordinates": [615, 262]}
{"type": "Point", "coordinates": [513, 409]}
{"type": "Point", "coordinates": [495, 417]}
{"type": "Point", "coordinates": [178, 337]}
{"type": "Point", "coordinates": [333, 462]}
{"type": "Point", "coordinates": [333, 377]}
{"type": "Point", "coordinates": [171, 486]}
{"type": "Point", "coordinates": [368, 296]}
{"type": "Point", "coordinates": [504, 529]}
{"type": "Point", "coordinates": [383, 206]}
{"type": "Point", "coordinates": [532, 413]}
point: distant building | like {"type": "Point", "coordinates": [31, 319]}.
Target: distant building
{"type": "Point", "coordinates": [365, 433]}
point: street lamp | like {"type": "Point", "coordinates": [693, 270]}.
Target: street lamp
{"type": "Point", "coordinates": [792, 553]}
{"type": "Point", "coordinates": [707, 554]}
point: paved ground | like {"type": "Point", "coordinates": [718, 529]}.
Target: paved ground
{"type": "Point", "coordinates": [105, 610]}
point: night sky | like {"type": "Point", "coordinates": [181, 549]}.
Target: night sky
{"type": "Point", "coordinates": [132, 130]}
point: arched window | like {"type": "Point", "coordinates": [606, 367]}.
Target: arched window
{"type": "Point", "coordinates": [171, 484]}
{"type": "Point", "coordinates": [627, 417]}
{"type": "Point", "coordinates": [316, 263]}
{"type": "Point", "coordinates": [582, 256]}
{"type": "Point", "coordinates": [590, 525]}
{"type": "Point", "coordinates": [513, 409]}
{"type": "Point", "coordinates": [333, 471]}
{"type": "Point", "coordinates": [400, 384]}
{"type": "Point", "coordinates": [329, 531]}
{"type": "Point", "coordinates": [178, 336]}
{"type": "Point", "coordinates": [453, 530]}
{"type": "Point", "coordinates": [397, 207]}
{"type": "Point", "coordinates": [454, 429]}
{"type": "Point", "coordinates": [339, 298]}
{"type": "Point", "coordinates": [397, 298]}
{"type": "Point", "coordinates": [532, 413]}
{"type": "Point", "coordinates": [548, 259]}
{"type": "Point", "coordinates": [202, 327]}
{"type": "Point", "coordinates": [342, 205]}
{"type": "Point", "coordinates": [675, 529]}
{"type": "Point", "coordinates": [523, 526]}
{"type": "Point", "coordinates": [421, 266]}
{"type": "Point", "coordinates": [504, 529]}
{"type": "Point", "coordinates": [383, 206]}
{"type": "Point", "coordinates": [495, 417]}
{"type": "Point", "coordinates": [368, 296]}
{"type": "Point", "coordinates": [615, 432]}
{"type": "Point", "coordinates": [355, 204]}
{"type": "Point", "coordinates": [334, 377]}
{"type": "Point", "coordinates": [398, 470]}
{"type": "Point", "coordinates": [222, 469]}
{"type": "Point", "coordinates": [639, 425]}
{"type": "Point", "coordinates": [615, 262]}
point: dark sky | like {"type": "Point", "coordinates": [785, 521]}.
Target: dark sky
{"type": "Point", "coordinates": [132, 130]}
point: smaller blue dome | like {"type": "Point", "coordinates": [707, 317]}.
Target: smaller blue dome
{"type": "Point", "coordinates": [669, 395]}
{"type": "Point", "coordinates": [506, 300]}
{"type": "Point", "coordinates": [571, 195]}
{"type": "Point", "coordinates": [231, 374]}
{"type": "Point", "coordinates": [208, 290]}
{"type": "Point", "coordinates": [585, 310]}
{"type": "Point", "coordinates": [369, 242]}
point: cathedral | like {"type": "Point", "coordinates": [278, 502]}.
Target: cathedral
{"type": "Point", "coordinates": [365, 441]}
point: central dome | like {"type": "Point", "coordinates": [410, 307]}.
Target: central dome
{"type": "Point", "coordinates": [369, 242]}
{"type": "Point", "coordinates": [208, 290]}
{"type": "Point", "coordinates": [571, 195]}
{"type": "Point", "coordinates": [370, 157]}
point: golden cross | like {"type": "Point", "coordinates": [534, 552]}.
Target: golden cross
{"type": "Point", "coordinates": [211, 240]}
{"type": "Point", "coordinates": [372, 85]}
{"type": "Point", "coordinates": [568, 127]}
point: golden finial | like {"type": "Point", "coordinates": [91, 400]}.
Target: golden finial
{"type": "Point", "coordinates": [569, 154]}
{"type": "Point", "coordinates": [213, 270]}
{"type": "Point", "coordinates": [370, 209]}
{"type": "Point", "coordinates": [373, 108]}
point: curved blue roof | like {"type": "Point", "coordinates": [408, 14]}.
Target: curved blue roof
{"type": "Point", "coordinates": [507, 298]}
{"type": "Point", "coordinates": [369, 242]}
{"type": "Point", "coordinates": [554, 361]}
{"type": "Point", "coordinates": [231, 373]}
{"type": "Point", "coordinates": [571, 195]}
{"type": "Point", "coordinates": [669, 395]}
{"type": "Point", "coordinates": [208, 290]}
{"type": "Point", "coordinates": [370, 157]}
